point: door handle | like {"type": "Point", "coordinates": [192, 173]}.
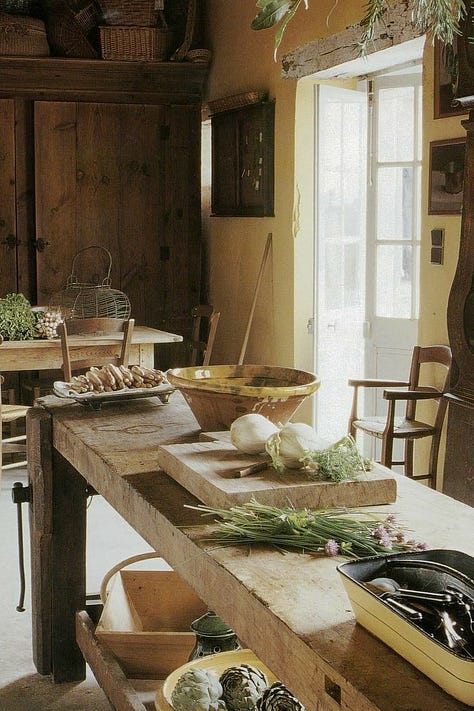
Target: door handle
{"type": "Point", "coordinates": [11, 241]}
{"type": "Point", "coordinates": [40, 244]}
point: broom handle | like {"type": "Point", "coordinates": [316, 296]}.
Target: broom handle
{"type": "Point", "coordinates": [254, 302]}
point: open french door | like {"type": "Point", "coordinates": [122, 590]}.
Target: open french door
{"type": "Point", "coordinates": [368, 168]}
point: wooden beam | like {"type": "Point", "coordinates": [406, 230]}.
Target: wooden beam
{"type": "Point", "coordinates": [397, 27]}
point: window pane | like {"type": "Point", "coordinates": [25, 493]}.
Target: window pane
{"type": "Point", "coordinates": [394, 203]}
{"type": "Point", "coordinates": [394, 281]}
{"type": "Point", "coordinates": [395, 128]}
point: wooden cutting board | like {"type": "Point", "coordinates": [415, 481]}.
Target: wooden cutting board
{"type": "Point", "coordinates": [207, 470]}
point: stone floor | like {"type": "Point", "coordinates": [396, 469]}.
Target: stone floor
{"type": "Point", "coordinates": [21, 687]}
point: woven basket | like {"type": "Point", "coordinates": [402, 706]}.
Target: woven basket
{"type": "Point", "coordinates": [69, 32]}
{"type": "Point", "coordinates": [136, 44]}
{"type": "Point", "coordinates": [19, 7]}
{"type": "Point", "coordinates": [140, 13]}
{"type": "Point", "coordinates": [22, 37]}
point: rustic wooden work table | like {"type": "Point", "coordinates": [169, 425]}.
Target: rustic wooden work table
{"type": "Point", "coordinates": [42, 354]}
{"type": "Point", "coordinates": [290, 609]}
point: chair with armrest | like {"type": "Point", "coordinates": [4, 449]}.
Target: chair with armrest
{"type": "Point", "coordinates": [407, 428]}
{"type": "Point", "coordinates": [114, 327]}
{"type": "Point", "coordinates": [205, 319]}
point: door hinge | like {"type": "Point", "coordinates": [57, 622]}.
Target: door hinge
{"type": "Point", "coordinates": [310, 327]}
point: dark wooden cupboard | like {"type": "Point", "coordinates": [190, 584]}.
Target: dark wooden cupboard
{"type": "Point", "coordinates": [104, 153]}
{"type": "Point", "coordinates": [459, 463]}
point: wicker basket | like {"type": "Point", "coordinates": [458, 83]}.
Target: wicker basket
{"type": "Point", "coordinates": [69, 31]}
{"type": "Point", "coordinates": [140, 13]}
{"type": "Point", "coordinates": [22, 37]}
{"type": "Point", "coordinates": [136, 44]}
{"type": "Point", "coordinates": [19, 7]}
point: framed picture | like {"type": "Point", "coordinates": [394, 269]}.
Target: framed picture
{"type": "Point", "coordinates": [446, 176]}
{"type": "Point", "coordinates": [444, 61]}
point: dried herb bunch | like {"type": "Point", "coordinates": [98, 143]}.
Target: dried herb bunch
{"type": "Point", "coordinates": [333, 531]}
{"type": "Point", "coordinates": [438, 18]}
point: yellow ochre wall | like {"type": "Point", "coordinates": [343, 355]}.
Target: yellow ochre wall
{"type": "Point", "coordinates": [243, 61]}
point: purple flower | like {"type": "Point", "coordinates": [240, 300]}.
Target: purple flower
{"type": "Point", "coordinates": [379, 531]}
{"type": "Point", "coordinates": [391, 518]}
{"type": "Point", "coordinates": [331, 547]}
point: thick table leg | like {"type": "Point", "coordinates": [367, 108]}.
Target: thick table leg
{"type": "Point", "coordinates": [58, 553]}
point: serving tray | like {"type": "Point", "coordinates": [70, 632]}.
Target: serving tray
{"type": "Point", "coordinates": [96, 400]}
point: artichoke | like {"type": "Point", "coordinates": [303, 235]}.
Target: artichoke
{"type": "Point", "coordinates": [242, 686]}
{"type": "Point", "coordinates": [197, 690]}
{"type": "Point", "coordinates": [278, 698]}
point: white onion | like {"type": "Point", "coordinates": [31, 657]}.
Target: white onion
{"type": "Point", "coordinates": [288, 446]}
{"type": "Point", "coordinates": [250, 432]}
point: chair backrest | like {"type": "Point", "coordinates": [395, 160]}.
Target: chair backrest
{"type": "Point", "coordinates": [117, 327]}
{"type": "Point", "coordinates": [201, 350]}
{"type": "Point", "coordinates": [431, 355]}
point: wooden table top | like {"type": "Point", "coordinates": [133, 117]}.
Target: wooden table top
{"type": "Point", "coordinates": [291, 609]}
{"type": "Point", "coordinates": [45, 354]}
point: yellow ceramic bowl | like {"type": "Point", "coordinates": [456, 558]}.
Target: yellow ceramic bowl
{"type": "Point", "coordinates": [214, 662]}
{"type": "Point", "coordinates": [218, 394]}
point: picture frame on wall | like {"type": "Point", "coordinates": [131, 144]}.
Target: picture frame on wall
{"type": "Point", "coordinates": [446, 176]}
{"type": "Point", "coordinates": [444, 83]}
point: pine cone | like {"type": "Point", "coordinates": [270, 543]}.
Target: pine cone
{"type": "Point", "coordinates": [278, 698]}
{"type": "Point", "coordinates": [242, 686]}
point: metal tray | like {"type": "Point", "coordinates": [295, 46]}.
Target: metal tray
{"type": "Point", "coordinates": [95, 400]}
{"type": "Point", "coordinates": [423, 570]}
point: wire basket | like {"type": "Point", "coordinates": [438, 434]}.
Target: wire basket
{"type": "Point", "coordinates": [87, 300]}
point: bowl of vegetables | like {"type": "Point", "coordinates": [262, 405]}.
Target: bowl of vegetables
{"type": "Point", "coordinates": [218, 394]}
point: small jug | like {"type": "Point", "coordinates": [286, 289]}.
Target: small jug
{"type": "Point", "coordinates": [212, 636]}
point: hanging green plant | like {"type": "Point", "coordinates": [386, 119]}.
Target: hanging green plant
{"type": "Point", "coordinates": [438, 18]}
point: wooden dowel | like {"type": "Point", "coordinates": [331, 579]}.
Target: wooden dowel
{"type": "Point", "coordinates": [254, 301]}
{"type": "Point", "coordinates": [252, 469]}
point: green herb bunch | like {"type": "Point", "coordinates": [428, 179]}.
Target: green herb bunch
{"type": "Point", "coordinates": [17, 320]}
{"type": "Point", "coordinates": [438, 18]}
{"type": "Point", "coordinates": [340, 461]}
{"type": "Point", "coordinates": [332, 531]}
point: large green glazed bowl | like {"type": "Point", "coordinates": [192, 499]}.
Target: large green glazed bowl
{"type": "Point", "coordinates": [218, 394]}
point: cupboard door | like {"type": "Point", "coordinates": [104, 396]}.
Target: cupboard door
{"type": "Point", "coordinates": [8, 225]}
{"type": "Point", "coordinates": [125, 177]}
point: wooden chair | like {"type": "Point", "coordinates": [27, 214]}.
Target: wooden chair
{"type": "Point", "coordinates": [205, 320]}
{"type": "Point", "coordinates": [408, 428]}
{"type": "Point", "coordinates": [10, 415]}
{"type": "Point", "coordinates": [119, 327]}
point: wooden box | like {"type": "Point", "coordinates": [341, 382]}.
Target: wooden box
{"type": "Point", "coordinates": [146, 621]}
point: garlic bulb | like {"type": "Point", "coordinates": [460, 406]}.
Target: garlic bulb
{"type": "Point", "coordinates": [288, 446]}
{"type": "Point", "coordinates": [197, 690]}
{"type": "Point", "coordinates": [250, 432]}
{"type": "Point", "coordinates": [47, 324]}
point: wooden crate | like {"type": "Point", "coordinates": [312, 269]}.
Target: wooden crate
{"type": "Point", "coordinates": [146, 621]}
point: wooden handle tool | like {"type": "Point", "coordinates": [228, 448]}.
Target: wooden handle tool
{"type": "Point", "coordinates": [252, 469]}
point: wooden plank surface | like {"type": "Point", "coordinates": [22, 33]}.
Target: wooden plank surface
{"type": "Point", "coordinates": [208, 470]}
{"type": "Point", "coordinates": [46, 354]}
{"type": "Point", "coordinates": [89, 80]}
{"type": "Point", "coordinates": [291, 609]}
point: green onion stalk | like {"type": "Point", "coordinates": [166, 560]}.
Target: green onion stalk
{"type": "Point", "coordinates": [333, 531]}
